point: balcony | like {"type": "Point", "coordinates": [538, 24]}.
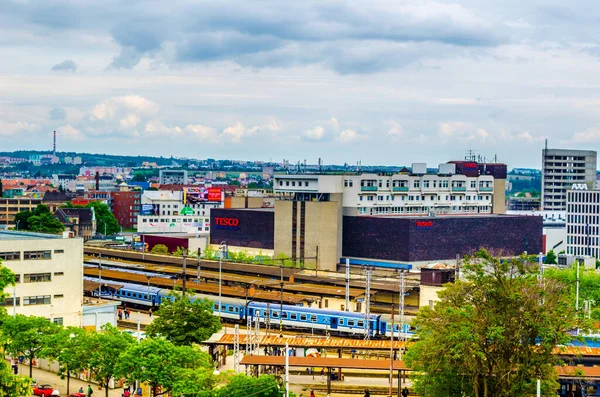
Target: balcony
{"type": "Point", "coordinates": [368, 188]}
{"type": "Point", "coordinates": [400, 189]}
{"type": "Point", "coordinates": [486, 189]}
{"type": "Point", "coordinates": [459, 189]}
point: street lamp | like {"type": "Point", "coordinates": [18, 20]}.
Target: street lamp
{"type": "Point", "coordinates": [18, 224]}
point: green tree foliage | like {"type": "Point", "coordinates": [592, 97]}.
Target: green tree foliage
{"type": "Point", "coordinates": [179, 251]}
{"type": "Point", "coordinates": [589, 285]}
{"type": "Point", "coordinates": [241, 385]}
{"type": "Point", "coordinates": [176, 369]}
{"type": "Point", "coordinates": [490, 334]}
{"type": "Point", "coordinates": [160, 249]}
{"type": "Point", "coordinates": [10, 384]}
{"type": "Point", "coordinates": [38, 220]}
{"type": "Point", "coordinates": [106, 223]}
{"type": "Point", "coordinates": [25, 336]}
{"type": "Point", "coordinates": [184, 322]}
{"type": "Point", "coordinates": [139, 177]}
{"type": "Point", "coordinates": [550, 258]}
{"type": "Point", "coordinates": [70, 348]}
{"type": "Point", "coordinates": [104, 351]}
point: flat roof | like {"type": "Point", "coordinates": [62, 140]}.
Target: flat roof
{"type": "Point", "coordinates": [19, 235]}
{"type": "Point", "coordinates": [325, 362]}
{"type": "Point", "coordinates": [262, 209]}
{"type": "Point", "coordinates": [448, 216]}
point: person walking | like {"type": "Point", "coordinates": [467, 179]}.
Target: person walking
{"type": "Point", "coordinates": [312, 393]}
{"type": "Point", "coordinates": [81, 390]}
{"type": "Point", "coordinates": [367, 393]}
{"type": "Point", "coordinates": [89, 391]}
{"type": "Point", "coordinates": [150, 312]}
{"type": "Point", "coordinates": [405, 392]}
{"type": "Point", "coordinates": [323, 375]}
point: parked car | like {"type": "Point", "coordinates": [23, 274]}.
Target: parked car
{"type": "Point", "coordinates": [45, 390]}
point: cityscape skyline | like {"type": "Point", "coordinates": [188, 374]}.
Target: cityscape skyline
{"type": "Point", "coordinates": [382, 83]}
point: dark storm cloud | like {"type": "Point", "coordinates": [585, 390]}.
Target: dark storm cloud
{"type": "Point", "coordinates": [287, 33]}
{"type": "Point", "coordinates": [65, 66]}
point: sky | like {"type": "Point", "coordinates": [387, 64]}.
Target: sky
{"type": "Point", "coordinates": [381, 82]}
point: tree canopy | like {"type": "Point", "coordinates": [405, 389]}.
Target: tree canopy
{"type": "Point", "coordinates": [176, 369]}
{"type": "Point", "coordinates": [105, 348]}
{"type": "Point", "coordinates": [183, 321]}
{"type": "Point", "coordinates": [70, 347]}
{"type": "Point", "coordinates": [589, 285]}
{"type": "Point", "coordinates": [490, 334]}
{"type": "Point", "coordinates": [25, 335]}
{"type": "Point", "coordinates": [550, 258]}
{"type": "Point", "coordinates": [106, 223]}
{"type": "Point", "coordinates": [39, 220]}
{"type": "Point", "coordinates": [10, 385]}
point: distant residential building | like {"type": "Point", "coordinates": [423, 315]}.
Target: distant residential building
{"type": "Point", "coordinates": [91, 171]}
{"type": "Point", "coordinates": [148, 164]}
{"type": "Point", "coordinates": [81, 221]}
{"type": "Point", "coordinates": [49, 275]}
{"type": "Point", "coordinates": [561, 168]}
{"type": "Point", "coordinates": [173, 177]}
{"type": "Point", "coordinates": [68, 160]}
{"type": "Point", "coordinates": [9, 207]}
{"type": "Point", "coordinates": [524, 203]}
{"type": "Point", "coordinates": [126, 208]}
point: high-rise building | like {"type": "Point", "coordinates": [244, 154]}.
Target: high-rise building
{"type": "Point", "coordinates": [583, 222]}
{"type": "Point", "coordinates": [561, 168]}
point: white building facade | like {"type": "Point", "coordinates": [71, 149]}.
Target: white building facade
{"type": "Point", "coordinates": [583, 222]}
{"type": "Point", "coordinates": [173, 177]}
{"type": "Point", "coordinates": [164, 211]}
{"type": "Point", "coordinates": [419, 193]}
{"type": "Point", "coordinates": [49, 272]}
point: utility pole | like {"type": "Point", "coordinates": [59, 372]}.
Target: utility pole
{"type": "Point", "coordinates": [281, 302]}
{"type": "Point", "coordinates": [402, 335]}
{"type": "Point", "coordinates": [199, 263]}
{"type": "Point", "coordinates": [347, 284]}
{"type": "Point", "coordinates": [368, 304]}
{"type": "Point", "coordinates": [184, 275]}
{"type": "Point", "coordinates": [391, 391]}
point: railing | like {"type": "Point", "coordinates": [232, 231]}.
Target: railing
{"type": "Point", "coordinates": [400, 189]}
{"type": "Point", "coordinates": [368, 188]}
{"type": "Point", "coordinates": [486, 189]}
{"type": "Point", "coordinates": [459, 189]}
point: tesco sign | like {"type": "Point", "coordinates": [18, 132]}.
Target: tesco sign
{"type": "Point", "coordinates": [470, 165]}
{"type": "Point", "coordinates": [227, 222]}
{"type": "Point", "coordinates": [424, 224]}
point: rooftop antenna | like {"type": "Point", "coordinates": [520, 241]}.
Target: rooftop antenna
{"type": "Point", "coordinates": [546, 143]}
{"type": "Point", "coordinates": [305, 165]}
{"type": "Point", "coordinates": [470, 155]}
{"type": "Point", "coordinates": [358, 166]}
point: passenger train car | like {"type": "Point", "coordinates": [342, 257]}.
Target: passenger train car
{"type": "Point", "coordinates": [237, 310]}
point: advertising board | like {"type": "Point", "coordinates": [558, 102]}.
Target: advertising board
{"type": "Point", "coordinates": [150, 209]}
{"type": "Point", "coordinates": [194, 195]}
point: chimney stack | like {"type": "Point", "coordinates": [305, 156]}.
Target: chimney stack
{"type": "Point", "coordinates": [97, 180]}
{"type": "Point", "coordinates": [54, 150]}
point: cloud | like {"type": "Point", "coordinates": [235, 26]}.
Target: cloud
{"type": "Point", "coordinates": [395, 130]}
{"type": "Point", "coordinates": [8, 129]}
{"type": "Point", "coordinates": [65, 66]}
{"type": "Point", "coordinates": [591, 134]}
{"type": "Point", "coordinates": [57, 114]}
{"type": "Point", "coordinates": [351, 136]}
{"type": "Point", "coordinates": [316, 133]}
{"type": "Point", "coordinates": [112, 108]}
{"type": "Point", "coordinates": [70, 133]}
{"type": "Point", "coordinates": [236, 132]}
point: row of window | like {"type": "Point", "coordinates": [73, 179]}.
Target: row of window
{"type": "Point", "coordinates": [28, 255]}
{"type": "Point", "coordinates": [419, 210]}
{"type": "Point", "coordinates": [584, 209]}
{"type": "Point", "coordinates": [31, 300]}
{"type": "Point", "coordinates": [582, 240]}
{"type": "Point", "coordinates": [416, 183]}
{"type": "Point", "coordinates": [371, 197]}
{"type": "Point", "coordinates": [184, 220]}
{"type": "Point", "coordinates": [293, 183]}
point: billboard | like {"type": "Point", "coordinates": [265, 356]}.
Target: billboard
{"type": "Point", "coordinates": [194, 195]}
{"type": "Point", "coordinates": [150, 209]}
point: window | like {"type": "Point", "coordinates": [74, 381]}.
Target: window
{"type": "Point", "coordinates": [59, 251]}
{"type": "Point", "coordinates": [416, 184]}
{"type": "Point", "coordinates": [37, 277]}
{"type": "Point", "coordinates": [350, 183]}
{"type": "Point", "coordinates": [293, 316]}
{"type": "Point", "coordinates": [360, 323]}
{"type": "Point", "coordinates": [313, 319]}
{"type": "Point", "coordinates": [306, 183]}
{"type": "Point", "coordinates": [9, 302]}
{"type": "Point", "coordinates": [303, 317]}
{"type": "Point", "coordinates": [274, 314]}
{"type": "Point", "coordinates": [37, 255]}
{"type": "Point", "coordinates": [326, 303]}
{"type": "Point", "coordinates": [58, 320]}
{"type": "Point", "coordinates": [426, 183]}
{"type": "Point", "coordinates": [341, 322]}
{"type": "Point", "coordinates": [17, 278]}
{"type": "Point", "coordinates": [36, 300]}
{"type": "Point", "coordinates": [10, 256]}
{"type": "Point", "coordinates": [59, 296]}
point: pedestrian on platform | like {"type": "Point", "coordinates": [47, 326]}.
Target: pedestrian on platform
{"type": "Point", "coordinates": [405, 392]}
{"type": "Point", "coordinates": [312, 393]}
{"type": "Point", "coordinates": [120, 315]}
{"type": "Point", "coordinates": [81, 390]}
{"type": "Point", "coordinates": [89, 391]}
{"type": "Point", "coordinates": [323, 375]}
{"type": "Point", "coordinates": [150, 312]}
{"type": "Point", "coordinates": [367, 393]}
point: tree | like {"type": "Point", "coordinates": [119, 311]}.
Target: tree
{"type": "Point", "coordinates": [104, 351]}
{"type": "Point", "coordinates": [160, 249]}
{"type": "Point", "coordinates": [25, 336]}
{"type": "Point", "coordinates": [70, 347]}
{"type": "Point", "coordinates": [176, 369]}
{"type": "Point", "coordinates": [139, 177]}
{"type": "Point", "coordinates": [489, 335]}
{"type": "Point", "coordinates": [589, 284]}
{"type": "Point", "coordinates": [106, 223]}
{"type": "Point", "coordinates": [550, 258]}
{"type": "Point", "coordinates": [10, 384]}
{"type": "Point", "coordinates": [45, 223]}
{"type": "Point", "coordinates": [183, 321]}
{"type": "Point", "coordinates": [239, 385]}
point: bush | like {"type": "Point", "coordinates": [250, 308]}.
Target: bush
{"type": "Point", "coordinates": [160, 249]}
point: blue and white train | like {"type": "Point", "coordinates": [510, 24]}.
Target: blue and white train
{"type": "Point", "coordinates": [237, 310]}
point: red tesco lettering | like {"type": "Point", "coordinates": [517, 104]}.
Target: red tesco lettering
{"type": "Point", "coordinates": [227, 221]}
{"type": "Point", "coordinates": [470, 165]}
{"type": "Point", "coordinates": [424, 223]}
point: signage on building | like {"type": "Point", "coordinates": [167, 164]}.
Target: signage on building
{"type": "Point", "coordinates": [579, 186]}
{"type": "Point", "coordinates": [193, 195]}
{"type": "Point", "coordinates": [470, 165]}
{"type": "Point", "coordinates": [150, 209]}
{"type": "Point", "coordinates": [214, 194]}
{"type": "Point", "coordinates": [227, 223]}
{"type": "Point", "coordinates": [424, 225]}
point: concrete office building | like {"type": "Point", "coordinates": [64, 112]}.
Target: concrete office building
{"type": "Point", "coordinates": [173, 177]}
{"type": "Point", "coordinates": [561, 168]}
{"type": "Point", "coordinates": [583, 222]}
{"type": "Point", "coordinates": [49, 275]}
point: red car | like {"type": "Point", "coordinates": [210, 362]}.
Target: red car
{"type": "Point", "coordinates": [45, 390]}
